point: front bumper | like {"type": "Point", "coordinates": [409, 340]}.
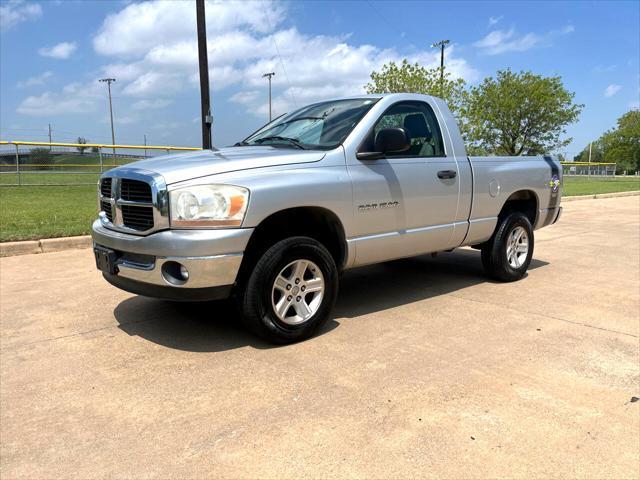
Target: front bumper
{"type": "Point", "coordinates": [147, 265]}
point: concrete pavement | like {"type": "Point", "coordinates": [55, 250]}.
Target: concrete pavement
{"type": "Point", "coordinates": [427, 370]}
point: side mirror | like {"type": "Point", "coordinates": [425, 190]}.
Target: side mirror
{"type": "Point", "coordinates": [388, 140]}
{"type": "Point", "coordinates": [392, 140]}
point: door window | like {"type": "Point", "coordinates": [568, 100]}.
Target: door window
{"type": "Point", "coordinates": [419, 121]}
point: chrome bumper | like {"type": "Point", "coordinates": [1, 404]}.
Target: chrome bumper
{"type": "Point", "coordinates": [212, 258]}
{"type": "Point", "coordinates": [204, 272]}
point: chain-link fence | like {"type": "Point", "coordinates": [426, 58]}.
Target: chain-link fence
{"type": "Point", "coordinates": [65, 164]}
{"type": "Point", "coordinates": [589, 169]}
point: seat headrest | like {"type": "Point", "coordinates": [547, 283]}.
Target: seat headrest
{"type": "Point", "coordinates": [417, 126]}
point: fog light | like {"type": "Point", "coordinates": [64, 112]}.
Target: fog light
{"type": "Point", "coordinates": [184, 273]}
{"type": "Point", "coordinates": [175, 273]}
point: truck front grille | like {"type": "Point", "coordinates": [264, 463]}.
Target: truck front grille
{"type": "Point", "coordinates": [105, 187]}
{"type": "Point", "coordinates": [105, 206]}
{"type": "Point", "coordinates": [135, 190]}
{"type": "Point", "coordinates": [137, 217]}
{"type": "Point", "coordinates": [133, 201]}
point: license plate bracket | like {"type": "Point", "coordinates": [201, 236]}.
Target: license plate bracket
{"type": "Point", "coordinates": [106, 260]}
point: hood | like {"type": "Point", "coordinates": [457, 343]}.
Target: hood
{"type": "Point", "coordinates": [186, 166]}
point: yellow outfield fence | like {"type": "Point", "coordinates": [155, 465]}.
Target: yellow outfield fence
{"type": "Point", "coordinates": [75, 163]}
{"type": "Point", "coordinates": [61, 163]}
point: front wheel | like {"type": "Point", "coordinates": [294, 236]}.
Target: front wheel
{"type": "Point", "coordinates": [291, 291]}
{"type": "Point", "coordinates": [507, 255]}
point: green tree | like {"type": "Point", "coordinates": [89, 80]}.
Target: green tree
{"type": "Point", "coordinates": [81, 140]}
{"type": "Point", "coordinates": [517, 114]}
{"type": "Point", "coordinates": [597, 153]}
{"type": "Point", "coordinates": [621, 145]}
{"type": "Point", "coordinates": [414, 78]}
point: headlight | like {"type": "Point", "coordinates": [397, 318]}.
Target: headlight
{"type": "Point", "coordinates": [208, 206]}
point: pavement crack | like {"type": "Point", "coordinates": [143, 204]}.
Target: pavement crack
{"type": "Point", "coordinates": [70, 335]}
{"type": "Point", "coordinates": [552, 317]}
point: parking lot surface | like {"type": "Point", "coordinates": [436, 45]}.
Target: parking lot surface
{"type": "Point", "coordinates": [426, 370]}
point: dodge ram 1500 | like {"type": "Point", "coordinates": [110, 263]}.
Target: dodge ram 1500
{"type": "Point", "coordinates": [275, 219]}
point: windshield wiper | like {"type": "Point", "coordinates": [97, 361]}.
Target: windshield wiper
{"type": "Point", "coordinates": [240, 144]}
{"type": "Point", "coordinates": [292, 141]}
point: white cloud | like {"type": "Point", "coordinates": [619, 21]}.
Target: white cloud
{"type": "Point", "coordinates": [61, 51]}
{"type": "Point", "coordinates": [612, 89]}
{"type": "Point", "coordinates": [634, 105]}
{"type": "Point", "coordinates": [17, 11]}
{"type": "Point", "coordinates": [36, 80]}
{"type": "Point", "coordinates": [151, 104]}
{"type": "Point", "coordinates": [154, 57]}
{"type": "Point", "coordinates": [494, 20]}
{"type": "Point", "coordinates": [75, 98]}
{"type": "Point", "coordinates": [604, 68]}
{"type": "Point", "coordinates": [159, 57]}
{"type": "Point", "coordinates": [502, 41]}
{"type": "Point", "coordinates": [49, 104]}
{"type": "Point", "coordinates": [139, 27]}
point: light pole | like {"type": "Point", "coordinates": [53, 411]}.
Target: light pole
{"type": "Point", "coordinates": [203, 64]}
{"type": "Point", "coordinates": [269, 75]}
{"type": "Point", "coordinates": [441, 44]}
{"type": "Point", "coordinates": [109, 81]}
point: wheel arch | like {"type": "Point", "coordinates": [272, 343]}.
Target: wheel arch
{"type": "Point", "coordinates": [315, 222]}
{"type": "Point", "coordinates": [525, 201]}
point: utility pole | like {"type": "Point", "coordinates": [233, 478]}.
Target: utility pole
{"type": "Point", "coordinates": [109, 81]}
{"type": "Point", "coordinates": [269, 75]}
{"type": "Point", "coordinates": [441, 44]}
{"type": "Point", "coordinates": [203, 61]}
{"type": "Point", "coordinates": [49, 137]}
{"type": "Point", "coordinates": [145, 145]}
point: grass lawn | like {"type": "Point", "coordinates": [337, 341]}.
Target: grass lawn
{"type": "Point", "coordinates": [32, 213]}
{"type": "Point", "coordinates": [589, 186]}
{"type": "Point", "coordinates": [51, 178]}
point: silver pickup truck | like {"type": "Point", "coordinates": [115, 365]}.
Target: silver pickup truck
{"type": "Point", "coordinates": [274, 220]}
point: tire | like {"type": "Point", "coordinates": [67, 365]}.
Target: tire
{"type": "Point", "coordinates": [263, 304]}
{"type": "Point", "coordinates": [499, 260]}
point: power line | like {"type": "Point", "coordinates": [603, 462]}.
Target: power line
{"type": "Point", "coordinates": [284, 69]}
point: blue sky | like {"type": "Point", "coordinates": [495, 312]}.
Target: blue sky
{"type": "Point", "coordinates": [53, 52]}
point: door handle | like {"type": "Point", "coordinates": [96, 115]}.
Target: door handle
{"type": "Point", "coordinates": [447, 174]}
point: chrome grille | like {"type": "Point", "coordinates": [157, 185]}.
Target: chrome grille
{"type": "Point", "coordinates": [137, 217]}
{"type": "Point", "coordinates": [133, 201]}
{"type": "Point", "coordinates": [105, 187]}
{"type": "Point", "coordinates": [135, 190]}
{"type": "Point", "coordinates": [105, 206]}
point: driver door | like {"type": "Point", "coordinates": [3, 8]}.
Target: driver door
{"type": "Point", "coordinates": [405, 203]}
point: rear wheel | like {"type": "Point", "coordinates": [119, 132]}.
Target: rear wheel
{"type": "Point", "coordinates": [291, 291]}
{"type": "Point", "coordinates": [507, 255]}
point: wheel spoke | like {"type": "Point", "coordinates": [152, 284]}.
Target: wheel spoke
{"type": "Point", "coordinates": [314, 285]}
{"type": "Point", "coordinates": [281, 283]}
{"type": "Point", "coordinates": [302, 309]}
{"type": "Point", "coordinates": [299, 269]}
{"type": "Point", "coordinates": [282, 306]}
{"type": "Point", "coordinates": [522, 248]}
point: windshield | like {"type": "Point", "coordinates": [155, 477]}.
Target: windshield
{"type": "Point", "coordinates": [320, 126]}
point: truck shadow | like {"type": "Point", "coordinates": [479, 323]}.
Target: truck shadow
{"type": "Point", "coordinates": [215, 326]}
